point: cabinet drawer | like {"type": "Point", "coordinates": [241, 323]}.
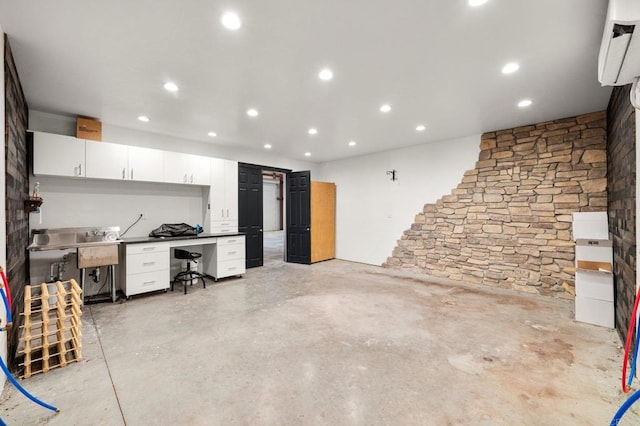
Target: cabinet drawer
{"type": "Point", "coordinates": [230, 252]}
{"type": "Point", "coordinates": [147, 248]}
{"type": "Point", "coordinates": [147, 262]}
{"type": "Point", "coordinates": [143, 283]}
{"type": "Point", "coordinates": [223, 227]}
{"type": "Point", "coordinates": [224, 241]}
{"type": "Point", "coordinates": [228, 268]}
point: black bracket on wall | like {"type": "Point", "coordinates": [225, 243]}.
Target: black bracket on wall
{"type": "Point", "coordinates": [393, 174]}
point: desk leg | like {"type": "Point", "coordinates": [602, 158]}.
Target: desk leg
{"type": "Point", "coordinates": [112, 281]}
{"type": "Point", "coordinates": [82, 286]}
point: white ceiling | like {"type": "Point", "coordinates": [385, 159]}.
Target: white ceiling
{"type": "Point", "coordinates": [436, 62]}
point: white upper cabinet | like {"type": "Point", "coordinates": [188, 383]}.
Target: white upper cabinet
{"type": "Point", "coordinates": [58, 155]}
{"type": "Point", "coordinates": [106, 160]}
{"type": "Point", "coordinates": [224, 190]}
{"type": "Point", "coordinates": [146, 164]}
{"type": "Point", "coordinates": [231, 189]}
{"type": "Point", "coordinates": [186, 168]}
{"type": "Point", "coordinates": [176, 167]}
{"type": "Point", "coordinates": [200, 167]}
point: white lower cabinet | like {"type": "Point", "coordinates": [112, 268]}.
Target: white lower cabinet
{"type": "Point", "coordinates": [145, 267]}
{"type": "Point", "coordinates": [228, 257]}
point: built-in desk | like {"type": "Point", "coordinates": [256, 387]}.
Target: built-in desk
{"type": "Point", "coordinates": [145, 261]}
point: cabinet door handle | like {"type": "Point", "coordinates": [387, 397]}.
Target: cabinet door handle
{"type": "Point", "coordinates": [149, 263]}
{"type": "Point", "coordinates": [232, 252]}
{"type": "Point", "coordinates": [123, 173]}
{"type": "Point", "coordinates": [148, 248]}
{"type": "Point", "coordinates": [132, 173]}
{"type": "Point", "coordinates": [232, 268]}
{"type": "Point", "coordinates": [184, 179]}
{"type": "Point", "coordinates": [227, 212]}
{"type": "Point", "coordinates": [222, 212]}
{"type": "Point", "coordinates": [191, 178]}
{"type": "Point", "coordinates": [148, 282]}
{"type": "Point", "coordinates": [80, 169]}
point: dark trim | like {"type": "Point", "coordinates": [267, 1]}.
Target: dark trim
{"type": "Point", "coordinates": [269, 168]}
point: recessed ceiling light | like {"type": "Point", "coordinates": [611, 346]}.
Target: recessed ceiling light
{"type": "Point", "coordinates": [231, 21]}
{"type": "Point", "coordinates": [267, 146]}
{"type": "Point", "coordinates": [252, 112]}
{"type": "Point", "coordinates": [307, 154]}
{"type": "Point", "coordinates": [212, 134]}
{"type": "Point", "coordinates": [143, 118]}
{"type": "Point", "coordinates": [325, 74]}
{"type": "Point", "coordinates": [511, 67]}
{"type": "Point", "coordinates": [420, 128]}
{"type": "Point", "coordinates": [475, 3]}
{"type": "Point", "coordinates": [170, 86]}
{"type": "Point", "coordinates": [352, 143]}
{"type": "Point", "coordinates": [524, 103]}
{"type": "Point", "coordinates": [385, 108]}
{"type": "Point", "coordinates": [313, 131]}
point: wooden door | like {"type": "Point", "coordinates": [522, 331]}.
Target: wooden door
{"type": "Point", "coordinates": [323, 221]}
{"type": "Point", "coordinates": [298, 217]}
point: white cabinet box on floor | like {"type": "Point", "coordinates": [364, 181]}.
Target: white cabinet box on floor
{"type": "Point", "coordinates": [594, 251]}
{"type": "Point", "coordinates": [595, 311]}
{"type": "Point", "coordinates": [590, 225]}
{"type": "Point", "coordinates": [594, 282]}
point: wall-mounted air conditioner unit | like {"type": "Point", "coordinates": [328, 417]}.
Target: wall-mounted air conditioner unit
{"type": "Point", "coordinates": [619, 61]}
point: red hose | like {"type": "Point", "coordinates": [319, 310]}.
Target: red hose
{"type": "Point", "coordinates": [627, 346]}
{"type": "Point", "coordinates": [7, 290]}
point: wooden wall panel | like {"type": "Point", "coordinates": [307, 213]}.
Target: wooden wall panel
{"type": "Point", "coordinates": [323, 221]}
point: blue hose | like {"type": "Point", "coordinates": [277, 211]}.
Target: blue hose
{"type": "Point", "coordinates": [6, 306]}
{"type": "Point", "coordinates": [2, 423]}
{"type": "Point", "coordinates": [23, 390]}
{"type": "Point", "coordinates": [624, 407]}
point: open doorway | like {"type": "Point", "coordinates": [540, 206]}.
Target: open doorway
{"type": "Point", "coordinates": [273, 215]}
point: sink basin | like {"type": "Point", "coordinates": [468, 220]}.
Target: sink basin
{"type": "Point", "coordinates": [65, 238]}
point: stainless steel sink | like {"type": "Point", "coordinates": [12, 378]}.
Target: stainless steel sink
{"type": "Point", "coordinates": [65, 238]}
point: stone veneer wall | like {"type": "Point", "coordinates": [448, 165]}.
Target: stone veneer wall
{"type": "Point", "coordinates": [508, 223]}
{"type": "Point", "coordinates": [17, 189]}
{"type": "Point", "coordinates": [621, 156]}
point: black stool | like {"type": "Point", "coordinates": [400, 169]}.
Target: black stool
{"type": "Point", "coordinates": [188, 275]}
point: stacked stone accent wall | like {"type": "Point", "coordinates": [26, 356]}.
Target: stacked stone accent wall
{"type": "Point", "coordinates": [508, 223]}
{"type": "Point", "coordinates": [17, 189]}
{"type": "Point", "coordinates": [621, 155]}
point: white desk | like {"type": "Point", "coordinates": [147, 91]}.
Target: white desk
{"type": "Point", "coordinates": [145, 263]}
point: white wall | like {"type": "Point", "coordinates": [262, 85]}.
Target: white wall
{"type": "Point", "coordinates": [372, 211]}
{"type": "Point", "coordinates": [3, 230]}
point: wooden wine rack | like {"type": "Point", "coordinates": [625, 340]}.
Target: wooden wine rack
{"type": "Point", "coordinates": [52, 330]}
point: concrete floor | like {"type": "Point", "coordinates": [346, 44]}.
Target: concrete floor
{"type": "Point", "coordinates": [332, 343]}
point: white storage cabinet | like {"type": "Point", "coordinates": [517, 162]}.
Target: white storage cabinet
{"type": "Point", "coordinates": [145, 267]}
{"type": "Point", "coordinates": [58, 155]}
{"type": "Point", "coordinates": [223, 196]}
{"type": "Point", "coordinates": [228, 257]}
{"type": "Point", "coordinates": [186, 168]}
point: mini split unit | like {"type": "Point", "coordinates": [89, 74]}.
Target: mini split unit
{"type": "Point", "coordinates": [619, 61]}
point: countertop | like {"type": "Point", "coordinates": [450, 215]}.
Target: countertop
{"type": "Point", "coordinates": [137, 240]}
